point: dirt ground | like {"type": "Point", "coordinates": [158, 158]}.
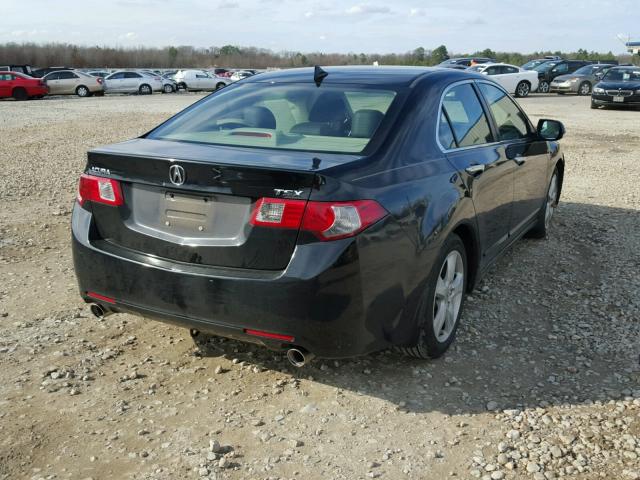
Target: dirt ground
{"type": "Point", "coordinates": [543, 381]}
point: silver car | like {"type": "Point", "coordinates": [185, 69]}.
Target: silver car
{"type": "Point", "coordinates": [581, 81]}
{"type": "Point", "coordinates": [168, 85]}
{"type": "Point", "coordinates": [132, 82]}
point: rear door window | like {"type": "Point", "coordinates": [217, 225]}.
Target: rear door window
{"type": "Point", "coordinates": [468, 120]}
{"type": "Point", "coordinates": [510, 121]}
{"type": "Point", "coordinates": [66, 75]}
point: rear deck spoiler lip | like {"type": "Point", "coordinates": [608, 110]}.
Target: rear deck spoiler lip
{"type": "Point", "coordinates": [263, 158]}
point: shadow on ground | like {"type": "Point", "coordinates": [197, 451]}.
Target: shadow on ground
{"type": "Point", "coordinates": [555, 322]}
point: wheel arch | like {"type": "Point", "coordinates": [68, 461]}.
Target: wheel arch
{"type": "Point", "coordinates": [469, 238]}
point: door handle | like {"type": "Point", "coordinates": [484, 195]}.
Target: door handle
{"type": "Point", "coordinates": [520, 160]}
{"type": "Point", "coordinates": [474, 170]}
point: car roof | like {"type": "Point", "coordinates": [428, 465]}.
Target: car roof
{"type": "Point", "coordinates": [366, 75]}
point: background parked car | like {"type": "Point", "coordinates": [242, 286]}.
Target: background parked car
{"type": "Point", "coordinates": [67, 82]}
{"type": "Point", "coordinates": [619, 87]}
{"type": "Point", "coordinates": [132, 82]}
{"type": "Point", "coordinates": [515, 80]}
{"type": "Point", "coordinates": [26, 69]}
{"type": "Point", "coordinates": [462, 63]}
{"type": "Point", "coordinates": [41, 72]}
{"type": "Point", "coordinates": [550, 70]}
{"type": "Point", "coordinates": [240, 74]}
{"type": "Point", "coordinates": [101, 74]}
{"type": "Point", "coordinates": [531, 64]}
{"type": "Point", "coordinates": [168, 84]}
{"type": "Point", "coordinates": [581, 81]}
{"type": "Point", "coordinates": [21, 86]}
{"type": "Point", "coordinates": [195, 80]}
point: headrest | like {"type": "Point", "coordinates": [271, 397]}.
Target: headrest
{"type": "Point", "coordinates": [365, 122]}
{"type": "Point", "coordinates": [259, 117]}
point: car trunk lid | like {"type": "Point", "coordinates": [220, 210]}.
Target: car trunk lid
{"type": "Point", "coordinates": [193, 203]}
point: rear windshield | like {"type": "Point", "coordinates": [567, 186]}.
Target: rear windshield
{"type": "Point", "coordinates": [331, 118]}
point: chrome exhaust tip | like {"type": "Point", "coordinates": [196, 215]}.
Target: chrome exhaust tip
{"type": "Point", "coordinates": [299, 357]}
{"type": "Point", "coordinates": [98, 311]}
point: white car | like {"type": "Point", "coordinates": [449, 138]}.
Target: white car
{"type": "Point", "coordinates": [514, 79]}
{"type": "Point", "coordinates": [195, 80]}
{"type": "Point", "coordinates": [132, 82]}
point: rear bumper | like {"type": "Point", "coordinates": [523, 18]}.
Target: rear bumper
{"type": "Point", "coordinates": [327, 298]}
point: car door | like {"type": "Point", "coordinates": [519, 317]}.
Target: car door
{"type": "Point", "coordinates": [467, 138]}
{"type": "Point", "coordinates": [561, 69]}
{"type": "Point", "coordinates": [53, 82]}
{"type": "Point", "coordinates": [132, 81]}
{"type": "Point", "coordinates": [114, 82]}
{"type": "Point", "coordinates": [68, 82]}
{"type": "Point", "coordinates": [528, 153]}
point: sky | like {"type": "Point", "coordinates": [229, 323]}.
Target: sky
{"type": "Point", "coordinates": [373, 26]}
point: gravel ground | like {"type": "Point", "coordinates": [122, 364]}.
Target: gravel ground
{"type": "Point", "coordinates": [543, 381]}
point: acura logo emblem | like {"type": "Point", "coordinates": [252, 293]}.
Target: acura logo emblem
{"type": "Point", "coordinates": [177, 175]}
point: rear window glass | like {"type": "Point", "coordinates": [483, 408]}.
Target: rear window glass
{"type": "Point", "coordinates": [332, 118]}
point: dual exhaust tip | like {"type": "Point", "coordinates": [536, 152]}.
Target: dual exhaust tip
{"type": "Point", "coordinates": [297, 356]}
{"type": "Point", "coordinates": [99, 311]}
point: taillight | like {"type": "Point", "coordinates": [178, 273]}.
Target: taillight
{"type": "Point", "coordinates": [279, 213]}
{"type": "Point", "coordinates": [99, 80]}
{"type": "Point", "coordinates": [326, 220]}
{"type": "Point", "coordinates": [99, 190]}
{"type": "Point", "coordinates": [331, 221]}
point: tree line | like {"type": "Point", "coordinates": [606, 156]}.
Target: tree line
{"type": "Point", "coordinates": [65, 54]}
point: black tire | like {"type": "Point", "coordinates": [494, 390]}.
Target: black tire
{"type": "Point", "coordinates": [593, 105]}
{"type": "Point", "coordinates": [20, 94]}
{"type": "Point", "coordinates": [220, 85]}
{"type": "Point", "coordinates": [543, 87]}
{"type": "Point", "coordinates": [523, 89]}
{"type": "Point", "coordinates": [168, 88]}
{"type": "Point", "coordinates": [145, 89]}
{"type": "Point", "coordinates": [584, 89]}
{"type": "Point", "coordinates": [542, 225]}
{"type": "Point", "coordinates": [427, 344]}
{"type": "Point", "coordinates": [83, 91]}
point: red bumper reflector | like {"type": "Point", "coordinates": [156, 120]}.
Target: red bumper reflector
{"type": "Point", "coordinates": [273, 336]}
{"type": "Point", "coordinates": [102, 298]}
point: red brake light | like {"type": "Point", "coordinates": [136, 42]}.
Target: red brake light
{"type": "Point", "coordinates": [100, 190]}
{"type": "Point", "coordinates": [99, 80]}
{"type": "Point", "coordinates": [326, 220]}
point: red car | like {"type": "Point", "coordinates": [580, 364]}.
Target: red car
{"type": "Point", "coordinates": [21, 87]}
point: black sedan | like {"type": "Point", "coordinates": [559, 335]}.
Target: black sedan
{"type": "Point", "coordinates": [619, 87]}
{"type": "Point", "coordinates": [319, 212]}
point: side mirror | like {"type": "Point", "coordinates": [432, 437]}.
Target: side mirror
{"type": "Point", "coordinates": [550, 129]}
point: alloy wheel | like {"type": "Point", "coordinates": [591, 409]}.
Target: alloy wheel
{"type": "Point", "coordinates": [448, 296]}
{"type": "Point", "coordinates": [83, 91]}
{"type": "Point", "coordinates": [552, 200]}
{"type": "Point", "coordinates": [585, 89]}
{"type": "Point", "coordinates": [544, 87]}
{"type": "Point", "coordinates": [523, 89]}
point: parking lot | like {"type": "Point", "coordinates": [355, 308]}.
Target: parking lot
{"type": "Point", "coordinates": [543, 381]}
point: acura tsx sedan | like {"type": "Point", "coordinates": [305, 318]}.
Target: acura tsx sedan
{"type": "Point", "coordinates": [329, 212]}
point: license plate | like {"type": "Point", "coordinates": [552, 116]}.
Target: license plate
{"type": "Point", "coordinates": [618, 99]}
